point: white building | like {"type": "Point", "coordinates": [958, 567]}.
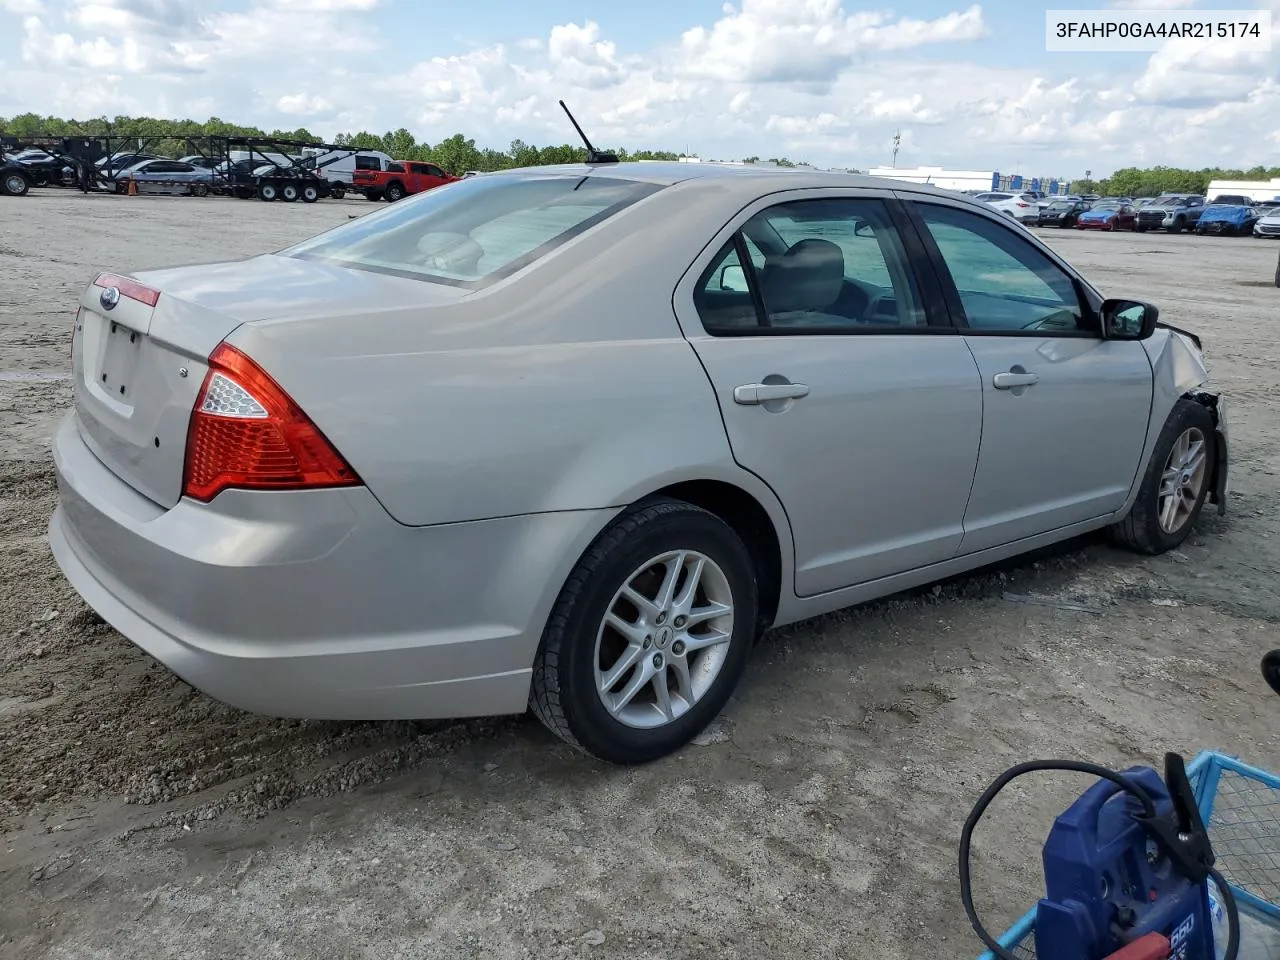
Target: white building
{"type": "Point", "coordinates": [971, 179]}
{"type": "Point", "coordinates": [1254, 189]}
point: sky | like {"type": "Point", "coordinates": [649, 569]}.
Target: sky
{"type": "Point", "coordinates": [967, 85]}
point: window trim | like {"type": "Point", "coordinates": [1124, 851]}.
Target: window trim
{"type": "Point", "coordinates": [1085, 296]}
{"type": "Point", "coordinates": [932, 301]}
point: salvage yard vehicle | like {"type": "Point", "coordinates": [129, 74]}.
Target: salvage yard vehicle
{"type": "Point", "coordinates": [1268, 224]}
{"type": "Point", "coordinates": [15, 181]}
{"type": "Point", "coordinates": [1227, 219]}
{"type": "Point", "coordinates": [1023, 207]}
{"type": "Point", "coordinates": [1108, 215]}
{"type": "Point", "coordinates": [400, 179]}
{"type": "Point", "coordinates": [571, 438]}
{"type": "Point", "coordinates": [165, 176]}
{"type": "Point", "coordinates": [1062, 213]}
{"type": "Point", "coordinates": [1171, 212]}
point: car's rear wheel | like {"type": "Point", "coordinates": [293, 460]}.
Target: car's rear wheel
{"type": "Point", "coordinates": [394, 193]}
{"type": "Point", "coordinates": [337, 191]}
{"type": "Point", "coordinates": [200, 190]}
{"type": "Point", "coordinates": [1175, 485]}
{"type": "Point", "coordinates": [649, 635]}
{"type": "Point", "coordinates": [1177, 225]}
{"type": "Point", "coordinates": [372, 195]}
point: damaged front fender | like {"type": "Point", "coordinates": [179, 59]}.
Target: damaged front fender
{"type": "Point", "coordinates": [1180, 373]}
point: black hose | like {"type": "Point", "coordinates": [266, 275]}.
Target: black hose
{"type": "Point", "coordinates": [1130, 786]}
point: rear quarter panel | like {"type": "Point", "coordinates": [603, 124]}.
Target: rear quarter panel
{"type": "Point", "coordinates": [568, 386]}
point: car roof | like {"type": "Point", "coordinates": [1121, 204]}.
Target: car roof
{"type": "Point", "coordinates": [750, 178]}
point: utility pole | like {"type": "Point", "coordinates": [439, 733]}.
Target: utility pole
{"type": "Point", "coordinates": [897, 140]}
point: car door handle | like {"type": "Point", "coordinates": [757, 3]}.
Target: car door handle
{"type": "Point", "coordinates": [755, 393]}
{"type": "Point", "coordinates": [1007, 381]}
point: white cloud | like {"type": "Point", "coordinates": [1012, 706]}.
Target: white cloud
{"type": "Point", "coordinates": [21, 7]}
{"type": "Point", "coordinates": [784, 41]}
{"type": "Point", "coordinates": [302, 105]}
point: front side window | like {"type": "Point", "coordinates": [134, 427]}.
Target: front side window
{"type": "Point", "coordinates": [1005, 283]}
{"type": "Point", "coordinates": [476, 230]}
{"type": "Point", "coordinates": [812, 266]}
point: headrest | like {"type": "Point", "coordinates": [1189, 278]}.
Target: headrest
{"type": "Point", "coordinates": [808, 276]}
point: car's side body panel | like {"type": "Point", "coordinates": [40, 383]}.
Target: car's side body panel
{"type": "Point", "coordinates": [855, 461]}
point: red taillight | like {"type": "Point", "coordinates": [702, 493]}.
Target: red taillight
{"type": "Point", "coordinates": [245, 432]}
{"type": "Point", "coordinates": [129, 288]}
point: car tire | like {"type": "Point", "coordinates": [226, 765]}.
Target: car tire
{"type": "Point", "coordinates": [337, 191]}
{"type": "Point", "coordinates": [578, 644]}
{"type": "Point", "coordinates": [1177, 225]}
{"type": "Point", "coordinates": [200, 190]}
{"type": "Point", "coordinates": [394, 192]}
{"type": "Point", "coordinates": [15, 184]}
{"type": "Point", "coordinates": [268, 192]}
{"type": "Point", "coordinates": [289, 193]}
{"type": "Point", "coordinates": [1161, 516]}
{"type": "Point", "coordinates": [310, 194]}
{"type": "Point", "coordinates": [1139, 229]}
{"type": "Point", "coordinates": [372, 195]}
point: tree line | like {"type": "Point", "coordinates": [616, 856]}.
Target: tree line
{"type": "Point", "coordinates": [1154, 181]}
{"type": "Point", "coordinates": [456, 154]}
{"type": "Point", "coordinates": [459, 153]}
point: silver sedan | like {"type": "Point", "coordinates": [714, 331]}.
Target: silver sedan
{"type": "Point", "coordinates": [571, 438]}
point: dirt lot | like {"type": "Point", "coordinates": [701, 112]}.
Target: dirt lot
{"type": "Point", "coordinates": [818, 818]}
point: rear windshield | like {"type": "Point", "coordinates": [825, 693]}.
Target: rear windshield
{"type": "Point", "coordinates": [474, 231]}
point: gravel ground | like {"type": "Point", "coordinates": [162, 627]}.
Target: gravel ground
{"type": "Point", "coordinates": [817, 818]}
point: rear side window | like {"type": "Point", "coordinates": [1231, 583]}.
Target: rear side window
{"type": "Point", "coordinates": [812, 267]}
{"type": "Point", "coordinates": [368, 163]}
{"type": "Point", "coordinates": [474, 231]}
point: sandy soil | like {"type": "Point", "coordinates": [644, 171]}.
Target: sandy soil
{"type": "Point", "coordinates": [817, 819]}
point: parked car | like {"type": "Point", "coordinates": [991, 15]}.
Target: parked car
{"type": "Point", "coordinates": [338, 167]}
{"type": "Point", "coordinates": [199, 160]}
{"type": "Point", "coordinates": [406, 483]}
{"type": "Point", "coordinates": [1171, 212]}
{"type": "Point", "coordinates": [1062, 213]}
{"type": "Point", "coordinates": [165, 176]}
{"type": "Point", "coordinates": [1021, 206]}
{"type": "Point", "coordinates": [1268, 224]}
{"type": "Point", "coordinates": [1228, 219]}
{"type": "Point", "coordinates": [112, 165]}
{"type": "Point", "coordinates": [44, 169]}
{"type": "Point", "coordinates": [1108, 215]}
{"type": "Point", "coordinates": [15, 181]}
{"type": "Point", "coordinates": [400, 179]}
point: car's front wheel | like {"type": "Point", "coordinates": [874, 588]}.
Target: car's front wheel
{"type": "Point", "coordinates": [649, 635]}
{"type": "Point", "coordinates": [1176, 483]}
{"type": "Point", "coordinates": [15, 184]}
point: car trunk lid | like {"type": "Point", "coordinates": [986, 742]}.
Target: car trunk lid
{"type": "Point", "coordinates": [138, 366]}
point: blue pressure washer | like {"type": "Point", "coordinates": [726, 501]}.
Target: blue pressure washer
{"type": "Point", "coordinates": [1126, 870]}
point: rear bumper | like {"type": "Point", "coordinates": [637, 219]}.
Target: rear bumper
{"type": "Point", "coordinates": [316, 604]}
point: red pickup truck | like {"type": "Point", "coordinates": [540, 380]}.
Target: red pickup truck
{"type": "Point", "coordinates": [401, 178]}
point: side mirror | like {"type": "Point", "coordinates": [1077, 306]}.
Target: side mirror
{"type": "Point", "coordinates": [733, 277]}
{"type": "Point", "coordinates": [1128, 319]}
{"type": "Point", "coordinates": [864, 229]}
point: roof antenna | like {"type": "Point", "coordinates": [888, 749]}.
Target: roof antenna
{"type": "Point", "coordinates": [593, 155]}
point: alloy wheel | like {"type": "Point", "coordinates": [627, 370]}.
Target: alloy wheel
{"type": "Point", "coordinates": [1182, 480]}
{"type": "Point", "coordinates": [664, 639]}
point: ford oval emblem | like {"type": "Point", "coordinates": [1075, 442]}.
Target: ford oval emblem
{"type": "Point", "coordinates": [109, 298]}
